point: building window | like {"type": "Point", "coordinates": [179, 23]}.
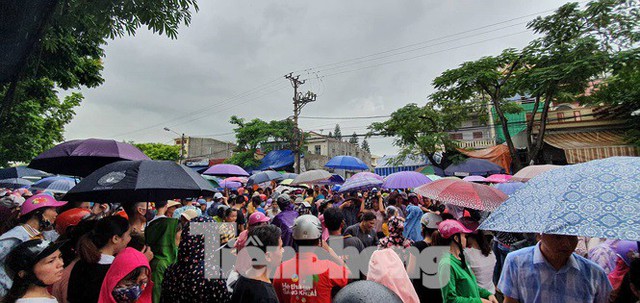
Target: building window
{"type": "Point", "coordinates": [577, 116]}
{"type": "Point", "coordinates": [560, 117]}
{"type": "Point", "coordinates": [318, 149]}
{"type": "Point", "coordinates": [477, 135]}
{"type": "Point", "coordinates": [456, 136]}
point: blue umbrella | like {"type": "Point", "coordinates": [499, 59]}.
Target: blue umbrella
{"type": "Point", "coordinates": [346, 162]}
{"type": "Point", "coordinates": [473, 167]}
{"type": "Point", "coordinates": [334, 179]}
{"type": "Point", "coordinates": [54, 184]}
{"type": "Point", "coordinates": [360, 183]}
{"type": "Point", "coordinates": [265, 176]}
{"type": "Point", "coordinates": [289, 176]}
{"type": "Point", "coordinates": [14, 183]}
{"type": "Point", "coordinates": [598, 199]}
{"type": "Point", "coordinates": [21, 171]}
{"type": "Point", "coordinates": [509, 188]}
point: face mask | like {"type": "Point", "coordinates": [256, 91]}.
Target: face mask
{"type": "Point", "coordinates": [150, 214]}
{"type": "Point", "coordinates": [128, 294]}
{"type": "Point", "coordinates": [45, 224]}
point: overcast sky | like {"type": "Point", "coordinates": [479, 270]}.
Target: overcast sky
{"type": "Point", "coordinates": [232, 58]}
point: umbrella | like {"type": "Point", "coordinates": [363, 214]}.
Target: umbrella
{"type": "Point", "coordinates": [140, 181]}
{"type": "Point", "coordinates": [498, 178]}
{"type": "Point", "coordinates": [346, 162]}
{"type": "Point", "coordinates": [14, 183]}
{"type": "Point", "coordinates": [463, 193]}
{"type": "Point", "coordinates": [509, 188]}
{"type": "Point", "coordinates": [430, 170]}
{"type": "Point", "coordinates": [600, 199]}
{"type": "Point", "coordinates": [82, 157]}
{"type": "Point", "coordinates": [286, 182]}
{"type": "Point", "coordinates": [405, 179]}
{"type": "Point", "coordinates": [312, 177]}
{"type": "Point", "coordinates": [21, 171]}
{"type": "Point", "coordinates": [289, 175]}
{"type": "Point", "coordinates": [334, 179]}
{"type": "Point", "coordinates": [265, 176]}
{"type": "Point", "coordinates": [230, 184]}
{"type": "Point", "coordinates": [474, 179]}
{"type": "Point", "coordinates": [368, 174]}
{"type": "Point", "coordinates": [360, 183]}
{"type": "Point", "coordinates": [434, 177]}
{"type": "Point", "coordinates": [226, 170]}
{"type": "Point", "coordinates": [531, 171]}
{"type": "Point", "coordinates": [213, 180]}
{"type": "Point", "coordinates": [472, 166]}
{"type": "Point", "coordinates": [55, 184]}
{"type": "Point", "coordinates": [236, 179]}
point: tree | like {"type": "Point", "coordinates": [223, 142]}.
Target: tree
{"type": "Point", "coordinates": [253, 134]}
{"type": "Point", "coordinates": [69, 56]}
{"type": "Point", "coordinates": [354, 139]}
{"type": "Point", "coordinates": [365, 145]}
{"type": "Point", "coordinates": [159, 151]}
{"type": "Point", "coordinates": [330, 135]}
{"type": "Point", "coordinates": [337, 133]}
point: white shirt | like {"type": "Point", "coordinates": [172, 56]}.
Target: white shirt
{"type": "Point", "coordinates": [482, 267]}
{"type": "Point", "coordinates": [106, 259]}
{"type": "Point", "coordinates": [37, 300]}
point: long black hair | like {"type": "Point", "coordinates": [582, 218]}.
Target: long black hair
{"type": "Point", "coordinates": [439, 240]}
{"type": "Point", "coordinates": [90, 244]}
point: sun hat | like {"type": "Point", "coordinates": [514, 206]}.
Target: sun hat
{"type": "Point", "coordinates": [189, 214]}
{"type": "Point", "coordinates": [448, 228]}
{"type": "Point", "coordinates": [172, 203]}
{"type": "Point", "coordinates": [39, 201]}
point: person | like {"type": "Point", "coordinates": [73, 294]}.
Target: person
{"type": "Point", "coordinates": [350, 209]}
{"type": "Point", "coordinates": [386, 268]}
{"type": "Point", "coordinates": [551, 272]}
{"type": "Point", "coordinates": [97, 250]}
{"type": "Point", "coordinates": [364, 230]}
{"type": "Point", "coordinates": [163, 236]}
{"type": "Point", "coordinates": [459, 282]}
{"type": "Point", "coordinates": [284, 220]}
{"type": "Point", "coordinates": [253, 285]}
{"type": "Point", "coordinates": [632, 286]}
{"type": "Point", "coordinates": [162, 209]}
{"type": "Point", "coordinates": [69, 219]}
{"type": "Point", "coordinates": [256, 219]}
{"type": "Point", "coordinates": [241, 220]}
{"type": "Point", "coordinates": [623, 249]}
{"type": "Point", "coordinates": [480, 257]}
{"type": "Point", "coordinates": [33, 265]}
{"type": "Point", "coordinates": [334, 221]}
{"type": "Point", "coordinates": [379, 211]}
{"type": "Point", "coordinates": [187, 216]}
{"type": "Point", "coordinates": [37, 214]}
{"type": "Point", "coordinates": [306, 277]}
{"type": "Point", "coordinates": [185, 281]}
{"type": "Point", "coordinates": [172, 206]}
{"type": "Point", "coordinates": [429, 223]}
{"type": "Point", "coordinates": [396, 239]}
{"type": "Point", "coordinates": [412, 226]}
{"type": "Point", "coordinates": [202, 204]}
{"type": "Point", "coordinates": [138, 213]}
{"type": "Point", "coordinates": [603, 254]}
{"type": "Point", "coordinates": [128, 279]}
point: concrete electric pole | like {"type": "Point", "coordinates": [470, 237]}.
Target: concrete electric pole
{"type": "Point", "coordinates": [299, 101]}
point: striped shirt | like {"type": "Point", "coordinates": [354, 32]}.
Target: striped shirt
{"type": "Point", "coordinates": [528, 277]}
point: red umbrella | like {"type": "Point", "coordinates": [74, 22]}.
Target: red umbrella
{"type": "Point", "coordinates": [498, 178]}
{"type": "Point", "coordinates": [463, 193]}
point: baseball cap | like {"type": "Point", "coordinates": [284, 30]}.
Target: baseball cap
{"type": "Point", "coordinates": [217, 196]}
{"type": "Point", "coordinates": [448, 228]}
{"type": "Point", "coordinates": [257, 217]}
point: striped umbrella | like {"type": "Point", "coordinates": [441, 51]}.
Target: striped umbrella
{"type": "Point", "coordinates": [360, 183]}
{"type": "Point", "coordinates": [463, 193]}
{"type": "Point", "coordinates": [56, 184]}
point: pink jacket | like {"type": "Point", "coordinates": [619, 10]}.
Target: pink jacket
{"type": "Point", "coordinates": [386, 268]}
{"type": "Point", "coordinates": [124, 263]}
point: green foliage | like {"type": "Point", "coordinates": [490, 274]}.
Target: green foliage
{"type": "Point", "coordinates": [337, 133]}
{"type": "Point", "coordinates": [159, 151]}
{"type": "Point", "coordinates": [243, 159]}
{"type": "Point", "coordinates": [354, 139]}
{"type": "Point", "coordinates": [365, 146]}
{"type": "Point", "coordinates": [253, 134]}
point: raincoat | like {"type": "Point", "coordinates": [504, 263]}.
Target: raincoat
{"type": "Point", "coordinates": [412, 227]}
{"type": "Point", "coordinates": [161, 237]}
{"type": "Point", "coordinates": [386, 268]}
{"type": "Point", "coordinates": [284, 220]}
{"type": "Point", "coordinates": [125, 262]}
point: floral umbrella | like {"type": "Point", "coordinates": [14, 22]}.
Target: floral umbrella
{"type": "Point", "coordinates": [463, 193]}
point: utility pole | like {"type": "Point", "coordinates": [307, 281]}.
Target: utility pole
{"type": "Point", "coordinates": [181, 144]}
{"type": "Point", "coordinates": [299, 101]}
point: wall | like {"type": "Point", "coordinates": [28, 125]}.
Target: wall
{"type": "Point", "coordinates": [207, 148]}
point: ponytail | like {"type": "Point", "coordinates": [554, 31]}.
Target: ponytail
{"type": "Point", "coordinates": [18, 289]}
{"type": "Point", "coordinates": [90, 244]}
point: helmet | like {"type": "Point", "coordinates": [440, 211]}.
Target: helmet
{"type": "Point", "coordinates": [202, 201]}
{"type": "Point", "coordinates": [27, 254]}
{"type": "Point", "coordinates": [307, 227]}
{"type": "Point", "coordinates": [39, 201]}
{"type": "Point", "coordinates": [430, 220]}
{"type": "Point", "coordinates": [257, 217]}
{"type": "Point", "coordinates": [217, 196]}
{"type": "Point", "coordinates": [70, 218]}
{"type": "Point", "coordinates": [448, 228]}
{"type": "Point", "coordinates": [366, 291]}
{"type": "Point", "coordinates": [283, 201]}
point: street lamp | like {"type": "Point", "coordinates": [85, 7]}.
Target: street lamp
{"type": "Point", "coordinates": [181, 143]}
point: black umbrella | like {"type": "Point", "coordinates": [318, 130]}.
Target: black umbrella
{"type": "Point", "coordinates": [14, 183]}
{"type": "Point", "coordinates": [21, 171]}
{"type": "Point", "coordinates": [82, 157]}
{"type": "Point", "coordinates": [140, 181]}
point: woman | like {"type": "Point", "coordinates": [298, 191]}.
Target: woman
{"type": "Point", "coordinates": [163, 236]}
{"type": "Point", "coordinates": [429, 223]}
{"type": "Point", "coordinates": [460, 284]}
{"type": "Point", "coordinates": [256, 219]}
{"type": "Point", "coordinates": [480, 258]}
{"type": "Point", "coordinates": [97, 249]}
{"type": "Point", "coordinates": [34, 266]}
{"type": "Point", "coordinates": [127, 280]}
{"type": "Point", "coordinates": [386, 268]}
{"type": "Point", "coordinates": [185, 280]}
{"type": "Point", "coordinates": [37, 215]}
{"type": "Point", "coordinates": [412, 223]}
{"type": "Point", "coordinates": [396, 240]}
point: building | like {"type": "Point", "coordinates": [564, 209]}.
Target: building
{"type": "Point", "coordinates": [387, 164]}
{"type": "Point", "coordinates": [321, 148]}
{"type": "Point", "coordinates": [474, 134]}
{"type": "Point", "coordinates": [203, 149]}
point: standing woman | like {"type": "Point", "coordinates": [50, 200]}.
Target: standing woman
{"type": "Point", "coordinates": [34, 265]}
{"type": "Point", "coordinates": [97, 250]}
{"type": "Point", "coordinates": [480, 257]}
{"type": "Point", "coordinates": [36, 215]}
{"type": "Point", "coordinates": [163, 236]}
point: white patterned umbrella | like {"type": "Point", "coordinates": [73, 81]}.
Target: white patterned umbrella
{"type": "Point", "coordinates": [599, 199]}
{"type": "Point", "coordinates": [312, 177]}
{"type": "Point", "coordinates": [463, 193]}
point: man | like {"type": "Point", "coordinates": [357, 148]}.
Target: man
{"type": "Point", "coordinates": [365, 230]}
{"type": "Point", "coordinates": [165, 209]}
{"type": "Point", "coordinates": [137, 213]}
{"type": "Point", "coordinates": [552, 272]}
{"type": "Point", "coordinates": [350, 209]}
{"type": "Point", "coordinates": [254, 285]}
{"type": "Point", "coordinates": [284, 220]}
{"type": "Point", "coordinates": [308, 278]}
{"type": "Point", "coordinates": [334, 221]}
{"type": "Point", "coordinates": [239, 203]}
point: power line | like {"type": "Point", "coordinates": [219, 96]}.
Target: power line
{"type": "Point", "coordinates": [345, 118]}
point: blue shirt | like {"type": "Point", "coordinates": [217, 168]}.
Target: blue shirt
{"type": "Point", "coordinates": [528, 277]}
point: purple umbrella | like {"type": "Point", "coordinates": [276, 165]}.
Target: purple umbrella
{"type": "Point", "coordinates": [226, 170]}
{"type": "Point", "coordinates": [367, 174]}
{"type": "Point", "coordinates": [473, 167]}
{"type": "Point", "coordinates": [82, 157]}
{"type": "Point", "coordinates": [405, 179]}
{"type": "Point", "coordinates": [474, 179]}
{"type": "Point", "coordinates": [509, 188]}
{"type": "Point", "coordinates": [230, 184]}
{"type": "Point", "coordinates": [360, 183]}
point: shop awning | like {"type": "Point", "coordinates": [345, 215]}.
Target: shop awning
{"type": "Point", "coordinates": [587, 146]}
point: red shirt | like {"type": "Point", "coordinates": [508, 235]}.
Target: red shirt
{"type": "Point", "coordinates": [307, 279]}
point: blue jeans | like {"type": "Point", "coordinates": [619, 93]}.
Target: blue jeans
{"type": "Point", "coordinates": [500, 251]}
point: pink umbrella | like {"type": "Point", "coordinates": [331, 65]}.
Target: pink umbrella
{"type": "Point", "coordinates": [475, 179]}
{"type": "Point", "coordinates": [464, 194]}
{"type": "Point", "coordinates": [531, 171]}
{"type": "Point", "coordinates": [236, 179]}
{"type": "Point", "coordinates": [498, 178]}
{"type": "Point", "coordinates": [367, 174]}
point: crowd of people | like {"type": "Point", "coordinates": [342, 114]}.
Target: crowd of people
{"type": "Point", "coordinates": [283, 240]}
